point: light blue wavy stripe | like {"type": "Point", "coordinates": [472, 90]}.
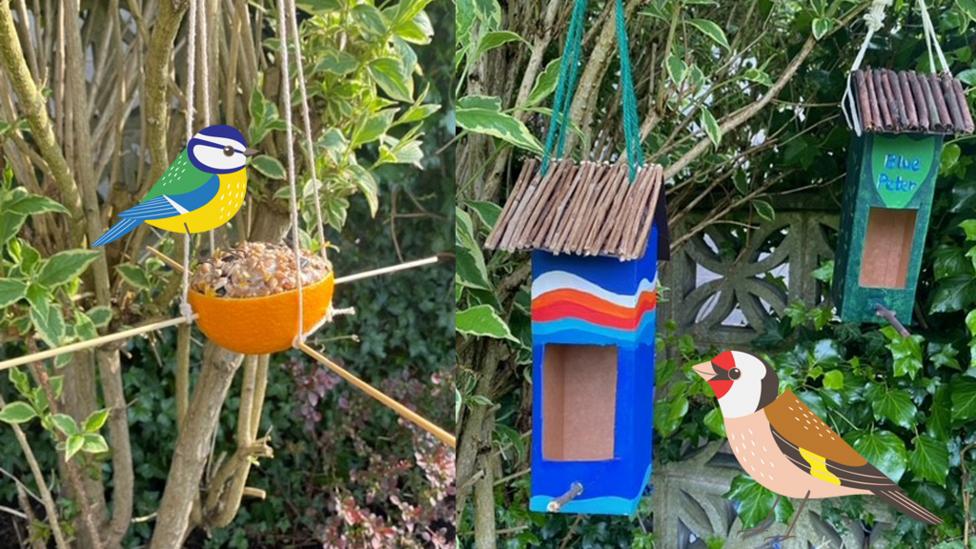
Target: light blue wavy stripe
{"type": "Point", "coordinates": [594, 333]}
{"type": "Point", "coordinates": [606, 505]}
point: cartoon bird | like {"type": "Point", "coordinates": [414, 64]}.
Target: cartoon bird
{"type": "Point", "coordinates": [785, 447]}
{"type": "Point", "coordinates": [202, 189]}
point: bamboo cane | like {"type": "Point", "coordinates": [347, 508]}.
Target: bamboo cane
{"type": "Point", "coordinates": [380, 396]}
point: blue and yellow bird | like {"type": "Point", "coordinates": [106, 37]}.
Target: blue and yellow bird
{"type": "Point", "coordinates": [201, 190]}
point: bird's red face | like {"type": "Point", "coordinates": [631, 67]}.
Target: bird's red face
{"type": "Point", "coordinates": [742, 383]}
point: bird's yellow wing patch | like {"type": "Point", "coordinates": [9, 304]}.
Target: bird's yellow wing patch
{"type": "Point", "coordinates": [818, 467]}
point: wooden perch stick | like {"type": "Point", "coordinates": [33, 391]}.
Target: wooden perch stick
{"type": "Point", "coordinates": [88, 343]}
{"type": "Point", "coordinates": [382, 397]}
{"type": "Point", "coordinates": [575, 489]}
{"type": "Point", "coordinates": [888, 315]}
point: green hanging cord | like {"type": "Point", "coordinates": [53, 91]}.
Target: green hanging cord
{"type": "Point", "coordinates": [635, 154]}
{"type": "Point", "coordinates": [566, 86]}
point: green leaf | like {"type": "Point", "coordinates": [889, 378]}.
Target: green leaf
{"type": "Point", "coordinates": [48, 321]}
{"type": "Point", "coordinates": [758, 76]}
{"type": "Point", "coordinates": [715, 423]}
{"type": "Point", "coordinates": [821, 26]}
{"type": "Point", "coordinates": [336, 62]}
{"type": "Point", "coordinates": [483, 321]}
{"type": "Point", "coordinates": [57, 385]}
{"type": "Point", "coordinates": [489, 102]}
{"type": "Point", "coordinates": [96, 419]}
{"type": "Point", "coordinates": [711, 127]}
{"type": "Point", "coordinates": [940, 421]}
{"type": "Point", "coordinates": [677, 68]}
{"type": "Point", "coordinates": [11, 291]}
{"type": "Point", "coordinates": [370, 18]}
{"type": "Point", "coordinates": [669, 413]}
{"type": "Point", "coordinates": [488, 212]}
{"type": "Point", "coordinates": [100, 316]}
{"type": "Point", "coordinates": [470, 263]}
{"type": "Point", "coordinates": [968, 7]}
{"type": "Point", "coordinates": [10, 224]}
{"type": "Point", "coordinates": [495, 39]}
{"type": "Point", "coordinates": [500, 125]}
{"type": "Point", "coordinates": [35, 204]}
{"type": "Point", "coordinates": [268, 166]}
{"type": "Point", "coordinates": [134, 276]}
{"type": "Point", "coordinates": [20, 381]}
{"type": "Point", "coordinates": [896, 406]}
{"type": "Point", "coordinates": [834, 380]}
{"type": "Point", "coordinates": [73, 445]}
{"type": "Point", "coordinates": [968, 76]}
{"type": "Point", "coordinates": [545, 83]}
{"type": "Point", "coordinates": [17, 412]}
{"type": "Point", "coordinates": [387, 72]}
{"type": "Point", "coordinates": [764, 209]}
{"type": "Point", "coordinates": [66, 424]}
{"type": "Point", "coordinates": [94, 443]}
{"type": "Point", "coordinates": [950, 156]}
{"type": "Point", "coordinates": [930, 459]}
{"type": "Point", "coordinates": [64, 266]}
{"type": "Point", "coordinates": [963, 399]}
{"type": "Point", "coordinates": [755, 502]}
{"type": "Point", "coordinates": [906, 352]}
{"type": "Point", "coordinates": [953, 293]}
{"type": "Point", "coordinates": [711, 30]}
{"type": "Point", "coordinates": [884, 450]}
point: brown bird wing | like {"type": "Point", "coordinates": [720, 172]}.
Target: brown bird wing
{"type": "Point", "coordinates": [817, 450]}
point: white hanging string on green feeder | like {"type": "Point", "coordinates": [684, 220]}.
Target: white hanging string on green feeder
{"type": "Point", "coordinates": [875, 20]}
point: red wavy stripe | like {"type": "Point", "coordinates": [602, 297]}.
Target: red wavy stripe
{"type": "Point", "coordinates": [647, 300]}
{"type": "Point", "coordinates": [558, 311]}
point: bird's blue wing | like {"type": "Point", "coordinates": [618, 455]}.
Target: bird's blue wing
{"type": "Point", "coordinates": [164, 206]}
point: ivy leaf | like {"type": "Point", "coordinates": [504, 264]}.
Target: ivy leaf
{"type": "Point", "coordinates": [963, 399]}
{"type": "Point", "coordinates": [930, 459]}
{"type": "Point", "coordinates": [715, 422]}
{"type": "Point", "coordinates": [669, 413]}
{"type": "Point", "coordinates": [17, 412]}
{"type": "Point", "coordinates": [134, 276]}
{"type": "Point", "coordinates": [834, 380]}
{"type": "Point", "coordinates": [483, 321]}
{"type": "Point", "coordinates": [884, 450]}
{"type": "Point", "coordinates": [940, 420]}
{"type": "Point", "coordinates": [711, 30]}
{"type": "Point", "coordinates": [755, 502]}
{"type": "Point", "coordinates": [896, 406]}
{"type": "Point", "coordinates": [906, 352]}
{"type": "Point", "coordinates": [711, 127]}
{"type": "Point", "coordinates": [498, 124]}
{"type": "Point", "coordinates": [953, 293]}
{"type": "Point", "coordinates": [64, 266]}
{"type": "Point", "coordinates": [11, 291]}
{"type": "Point", "coordinates": [73, 445]}
{"type": "Point", "coordinates": [268, 166]}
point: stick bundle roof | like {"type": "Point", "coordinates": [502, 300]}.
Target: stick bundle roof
{"type": "Point", "coordinates": [906, 101]}
{"type": "Point", "coordinates": [589, 208]}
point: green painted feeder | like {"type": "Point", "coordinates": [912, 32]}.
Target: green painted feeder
{"type": "Point", "coordinates": [892, 167]}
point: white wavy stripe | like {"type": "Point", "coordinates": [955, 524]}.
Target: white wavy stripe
{"type": "Point", "coordinates": [562, 280]}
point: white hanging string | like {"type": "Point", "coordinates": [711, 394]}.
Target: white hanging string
{"type": "Point", "coordinates": [306, 119]}
{"type": "Point", "coordinates": [289, 147]}
{"type": "Point", "coordinates": [932, 39]}
{"type": "Point", "coordinates": [205, 74]}
{"type": "Point", "coordinates": [191, 47]}
{"type": "Point", "coordinates": [874, 19]}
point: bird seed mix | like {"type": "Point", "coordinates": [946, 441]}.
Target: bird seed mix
{"type": "Point", "coordinates": [256, 269]}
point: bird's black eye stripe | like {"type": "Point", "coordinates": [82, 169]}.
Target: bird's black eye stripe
{"type": "Point", "coordinates": [734, 373]}
{"type": "Point", "coordinates": [228, 151]}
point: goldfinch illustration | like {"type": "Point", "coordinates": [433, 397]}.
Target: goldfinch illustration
{"type": "Point", "coordinates": [201, 190]}
{"type": "Point", "coordinates": [785, 447]}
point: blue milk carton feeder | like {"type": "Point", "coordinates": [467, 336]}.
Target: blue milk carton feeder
{"type": "Point", "coordinates": [595, 238]}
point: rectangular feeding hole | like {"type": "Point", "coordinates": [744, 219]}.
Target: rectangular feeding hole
{"type": "Point", "coordinates": [887, 248]}
{"type": "Point", "coordinates": [579, 397]}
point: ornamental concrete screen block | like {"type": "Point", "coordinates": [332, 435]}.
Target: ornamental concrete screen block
{"type": "Point", "coordinates": [891, 174]}
{"type": "Point", "coordinates": [595, 239]}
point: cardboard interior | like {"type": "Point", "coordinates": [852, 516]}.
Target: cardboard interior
{"type": "Point", "coordinates": [887, 248]}
{"type": "Point", "coordinates": [579, 399]}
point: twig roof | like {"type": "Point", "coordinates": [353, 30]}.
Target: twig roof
{"type": "Point", "coordinates": [589, 208]}
{"type": "Point", "coordinates": [906, 101]}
